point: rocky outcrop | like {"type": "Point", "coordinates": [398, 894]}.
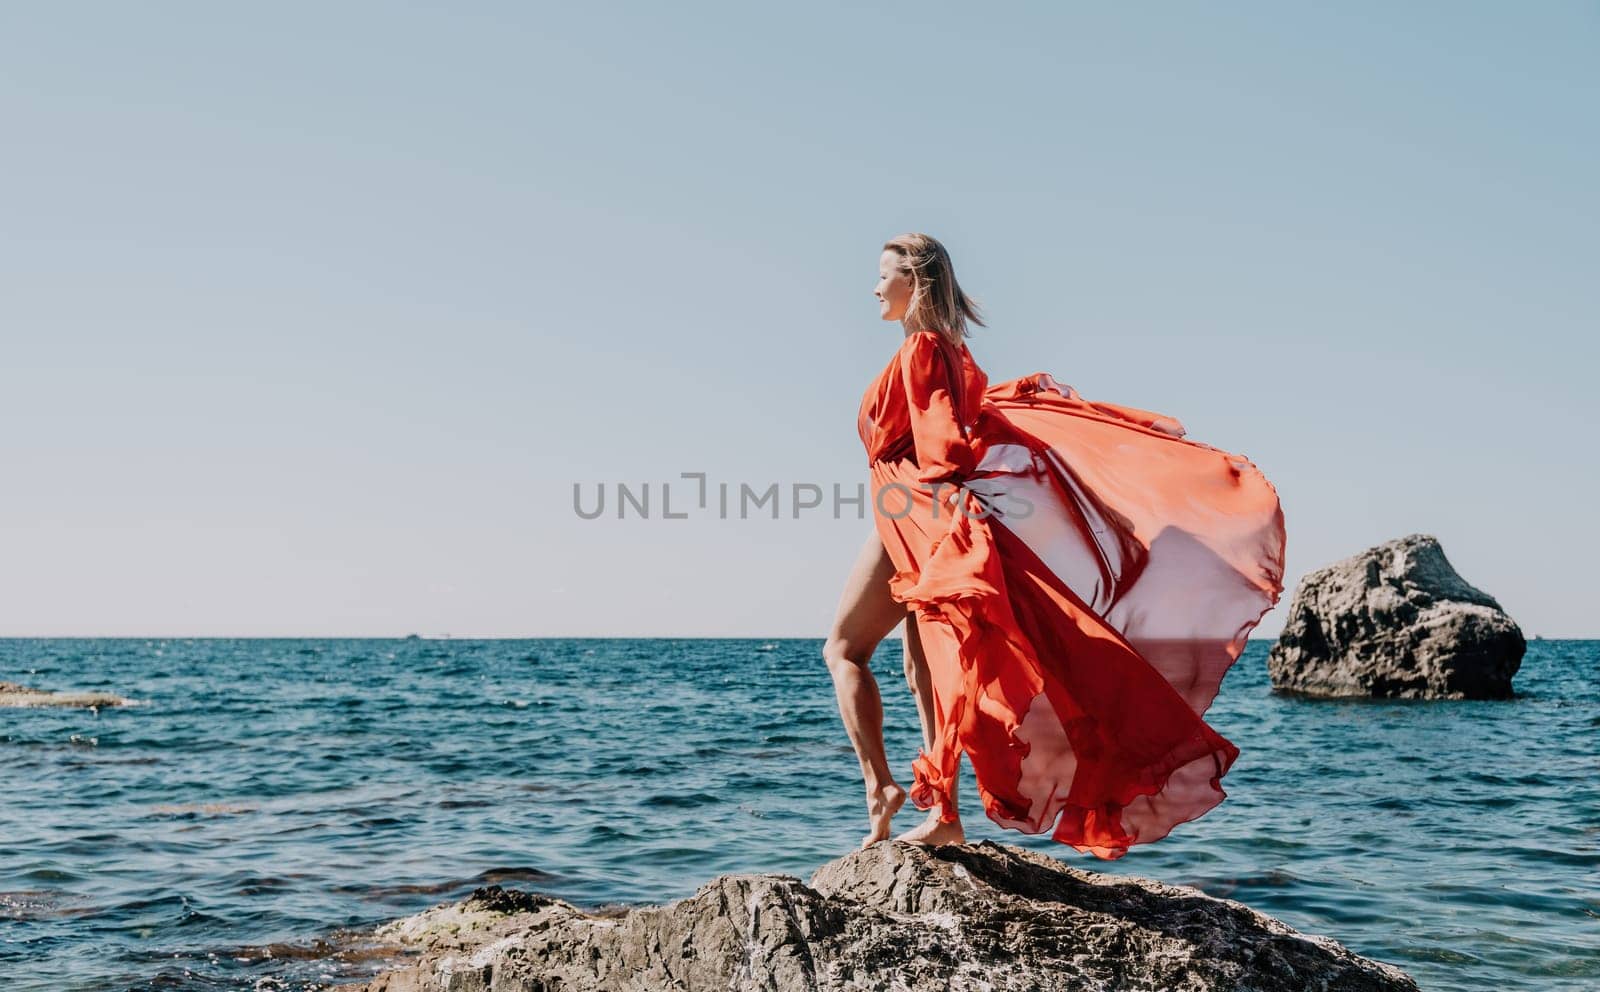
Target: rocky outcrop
{"type": "Point", "coordinates": [895, 916]}
{"type": "Point", "coordinates": [1396, 621]}
{"type": "Point", "coordinates": [12, 694]}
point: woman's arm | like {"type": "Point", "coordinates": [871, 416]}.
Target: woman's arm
{"type": "Point", "coordinates": [943, 452]}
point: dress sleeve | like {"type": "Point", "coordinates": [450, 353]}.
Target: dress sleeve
{"type": "Point", "coordinates": [943, 452]}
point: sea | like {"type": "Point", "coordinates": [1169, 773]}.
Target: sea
{"type": "Point", "coordinates": [268, 801]}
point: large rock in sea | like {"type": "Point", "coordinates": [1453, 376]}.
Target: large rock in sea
{"type": "Point", "coordinates": [895, 916]}
{"type": "Point", "coordinates": [1396, 621]}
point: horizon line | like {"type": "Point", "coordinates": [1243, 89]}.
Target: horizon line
{"type": "Point", "coordinates": [524, 637]}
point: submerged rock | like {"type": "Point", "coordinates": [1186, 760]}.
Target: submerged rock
{"type": "Point", "coordinates": [895, 916]}
{"type": "Point", "coordinates": [1396, 621]}
{"type": "Point", "coordinates": [12, 694]}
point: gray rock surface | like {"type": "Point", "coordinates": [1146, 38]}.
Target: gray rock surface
{"type": "Point", "coordinates": [12, 694]}
{"type": "Point", "coordinates": [895, 916]}
{"type": "Point", "coordinates": [1396, 621]}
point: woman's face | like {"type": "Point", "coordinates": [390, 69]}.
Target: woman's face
{"type": "Point", "coordinates": [894, 286]}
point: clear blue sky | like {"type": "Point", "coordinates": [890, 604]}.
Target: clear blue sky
{"type": "Point", "coordinates": [313, 313]}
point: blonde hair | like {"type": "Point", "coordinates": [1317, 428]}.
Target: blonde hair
{"type": "Point", "coordinates": [937, 302]}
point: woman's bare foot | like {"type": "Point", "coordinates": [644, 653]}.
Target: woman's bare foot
{"type": "Point", "coordinates": [882, 804]}
{"type": "Point", "coordinates": [934, 831]}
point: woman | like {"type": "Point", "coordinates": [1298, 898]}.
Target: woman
{"type": "Point", "coordinates": [1076, 579]}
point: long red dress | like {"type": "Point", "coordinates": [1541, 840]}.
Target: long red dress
{"type": "Point", "coordinates": [1080, 600]}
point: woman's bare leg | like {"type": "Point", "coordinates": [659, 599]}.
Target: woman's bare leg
{"type": "Point", "coordinates": [918, 678]}
{"type": "Point", "coordinates": [866, 615]}
{"type": "Point", "coordinates": [930, 830]}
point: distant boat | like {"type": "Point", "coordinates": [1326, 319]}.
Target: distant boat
{"type": "Point", "coordinates": [768, 646]}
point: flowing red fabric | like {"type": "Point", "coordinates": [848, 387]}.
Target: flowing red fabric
{"type": "Point", "coordinates": [1082, 577]}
